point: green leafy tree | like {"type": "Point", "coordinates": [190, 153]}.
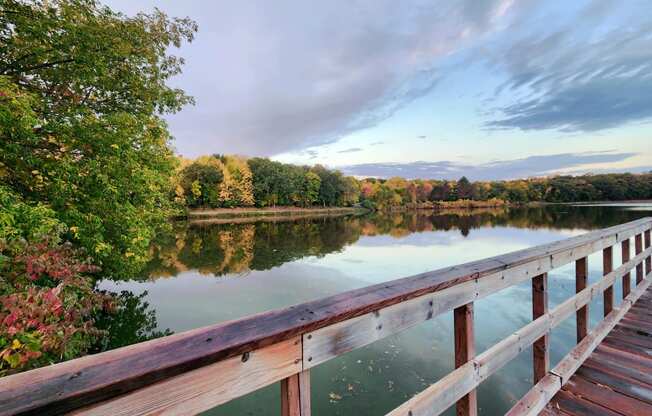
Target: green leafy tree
{"type": "Point", "coordinates": [200, 183]}
{"type": "Point", "coordinates": [312, 185]}
{"type": "Point", "coordinates": [82, 91]}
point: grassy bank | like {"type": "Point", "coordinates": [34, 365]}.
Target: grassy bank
{"type": "Point", "coordinates": [269, 213]}
{"type": "Point", "coordinates": [452, 205]}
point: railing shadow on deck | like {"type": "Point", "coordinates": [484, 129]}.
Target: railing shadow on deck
{"type": "Point", "coordinates": [193, 371]}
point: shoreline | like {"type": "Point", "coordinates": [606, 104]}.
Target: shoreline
{"type": "Point", "coordinates": [205, 215]}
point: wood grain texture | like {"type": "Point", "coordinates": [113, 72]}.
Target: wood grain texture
{"type": "Point", "coordinates": [638, 248]}
{"type": "Point", "coordinates": [627, 278]}
{"type": "Point", "coordinates": [648, 260]}
{"type": "Point", "coordinates": [541, 347]}
{"type": "Point", "coordinates": [202, 389]}
{"type": "Point", "coordinates": [582, 315]}
{"type": "Point", "coordinates": [607, 267]}
{"type": "Point", "coordinates": [464, 337]}
{"type": "Point", "coordinates": [537, 398]}
{"type": "Point", "coordinates": [66, 386]}
{"type": "Point", "coordinates": [295, 395]}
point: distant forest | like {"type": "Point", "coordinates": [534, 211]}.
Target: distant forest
{"type": "Point", "coordinates": [234, 181]}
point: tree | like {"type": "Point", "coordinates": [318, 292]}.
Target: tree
{"type": "Point", "coordinates": [465, 189]}
{"type": "Point", "coordinates": [82, 90]}
{"type": "Point", "coordinates": [331, 187]}
{"type": "Point", "coordinates": [201, 183]}
{"type": "Point", "coordinates": [312, 185]}
{"type": "Point", "coordinates": [236, 188]}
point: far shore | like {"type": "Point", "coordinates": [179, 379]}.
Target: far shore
{"type": "Point", "coordinates": [269, 213]}
{"type": "Point", "coordinates": [283, 213]}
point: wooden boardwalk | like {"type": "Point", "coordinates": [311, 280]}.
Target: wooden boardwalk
{"type": "Point", "coordinates": [617, 378]}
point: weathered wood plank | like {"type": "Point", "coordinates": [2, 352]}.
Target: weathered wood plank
{"type": "Point", "coordinates": [295, 395]}
{"type": "Point", "coordinates": [623, 368]}
{"type": "Point", "coordinates": [332, 341]}
{"type": "Point", "coordinates": [624, 385]}
{"type": "Point", "coordinates": [648, 260]}
{"type": "Point", "coordinates": [537, 398]}
{"type": "Point", "coordinates": [574, 405]}
{"type": "Point", "coordinates": [569, 364]}
{"type": "Point", "coordinates": [540, 348]}
{"type": "Point", "coordinates": [465, 352]}
{"type": "Point", "coordinates": [448, 390]}
{"type": "Point", "coordinates": [638, 248]}
{"type": "Point", "coordinates": [607, 267]}
{"type": "Point", "coordinates": [625, 255]}
{"type": "Point", "coordinates": [606, 397]}
{"type": "Point", "coordinates": [582, 316]}
{"type": "Point", "coordinates": [202, 389]}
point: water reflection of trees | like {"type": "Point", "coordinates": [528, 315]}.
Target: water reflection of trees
{"type": "Point", "coordinates": [218, 249]}
{"type": "Point", "coordinates": [132, 321]}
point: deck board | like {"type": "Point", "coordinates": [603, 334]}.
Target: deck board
{"type": "Point", "coordinates": [617, 377]}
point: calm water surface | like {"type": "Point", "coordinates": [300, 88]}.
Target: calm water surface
{"type": "Point", "coordinates": [203, 274]}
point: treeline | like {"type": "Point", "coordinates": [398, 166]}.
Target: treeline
{"type": "Point", "coordinates": [221, 181]}
{"type": "Point", "coordinates": [234, 181]}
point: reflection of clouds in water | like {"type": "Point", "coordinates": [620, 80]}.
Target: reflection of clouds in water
{"type": "Point", "coordinates": [438, 238]}
{"type": "Point", "coordinates": [190, 300]}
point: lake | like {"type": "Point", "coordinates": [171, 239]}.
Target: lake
{"type": "Point", "coordinates": [203, 274]}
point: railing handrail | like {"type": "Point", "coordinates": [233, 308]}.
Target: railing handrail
{"type": "Point", "coordinates": [87, 380]}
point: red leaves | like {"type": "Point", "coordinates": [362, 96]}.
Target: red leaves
{"type": "Point", "coordinates": [46, 313]}
{"type": "Point", "coordinates": [57, 263]}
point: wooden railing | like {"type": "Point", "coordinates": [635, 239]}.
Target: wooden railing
{"type": "Point", "coordinates": [196, 370]}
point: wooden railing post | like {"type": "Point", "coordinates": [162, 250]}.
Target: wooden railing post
{"type": "Point", "coordinates": [607, 267]}
{"type": "Point", "coordinates": [582, 315]}
{"type": "Point", "coordinates": [627, 277]}
{"type": "Point", "coordinates": [465, 351]}
{"type": "Point", "coordinates": [648, 259]}
{"type": "Point", "coordinates": [540, 348]}
{"type": "Point", "coordinates": [295, 395]}
{"type": "Point", "coordinates": [638, 248]}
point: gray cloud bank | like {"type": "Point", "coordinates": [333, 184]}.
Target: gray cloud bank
{"type": "Point", "coordinates": [589, 72]}
{"type": "Point", "coordinates": [270, 77]}
{"type": "Point", "coordinates": [497, 170]}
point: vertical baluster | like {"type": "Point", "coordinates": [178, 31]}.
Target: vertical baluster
{"type": "Point", "coordinates": [540, 348]}
{"type": "Point", "coordinates": [582, 315]}
{"type": "Point", "coordinates": [607, 267]}
{"type": "Point", "coordinates": [638, 249]}
{"type": "Point", "coordinates": [648, 259]}
{"type": "Point", "coordinates": [465, 351]}
{"type": "Point", "coordinates": [627, 277]}
{"type": "Point", "coordinates": [295, 395]}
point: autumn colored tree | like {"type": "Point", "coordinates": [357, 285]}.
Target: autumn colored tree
{"type": "Point", "coordinates": [236, 188]}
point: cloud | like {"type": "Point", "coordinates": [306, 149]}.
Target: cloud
{"type": "Point", "coordinates": [351, 150]}
{"type": "Point", "coordinates": [377, 143]}
{"type": "Point", "coordinates": [274, 77]}
{"type": "Point", "coordinates": [495, 170]}
{"type": "Point", "coordinates": [583, 74]}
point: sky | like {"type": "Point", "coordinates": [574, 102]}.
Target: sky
{"type": "Point", "coordinates": [490, 89]}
